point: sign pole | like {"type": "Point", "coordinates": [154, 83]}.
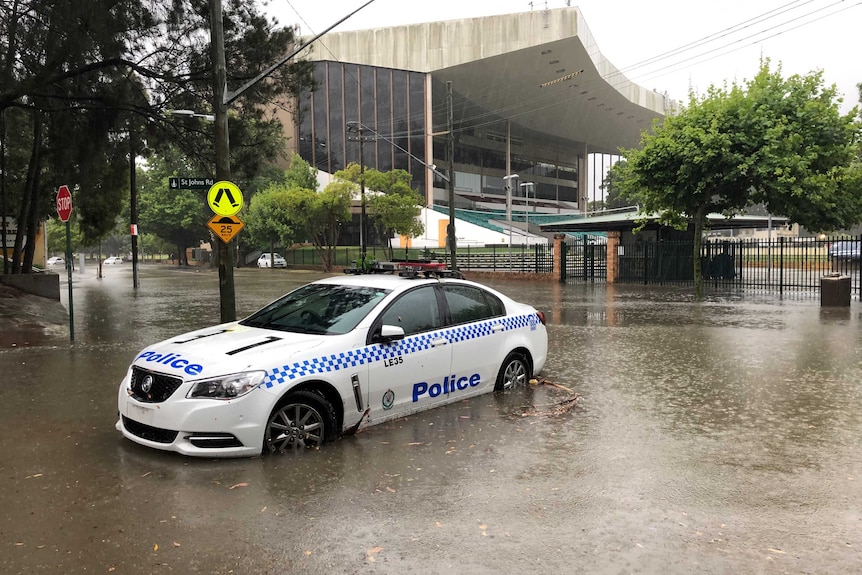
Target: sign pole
{"type": "Point", "coordinates": [69, 281]}
{"type": "Point", "coordinates": [64, 210]}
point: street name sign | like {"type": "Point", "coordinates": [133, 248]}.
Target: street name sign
{"type": "Point", "coordinates": [190, 183]}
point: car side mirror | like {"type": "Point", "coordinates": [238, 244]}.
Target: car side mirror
{"type": "Point", "coordinates": [390, 333]}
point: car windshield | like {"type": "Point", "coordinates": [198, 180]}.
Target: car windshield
{"type": "Point", "coordinates": [318, 308]}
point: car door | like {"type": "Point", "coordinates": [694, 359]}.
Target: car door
{"type": "Point", "coordinates": [478, 336]}
{"type": "Point", "coordinates": [408, 374]}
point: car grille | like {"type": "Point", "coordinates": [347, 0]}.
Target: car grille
{"type": "Point", "coordinates": [161, 387]}
{"type": "Point", "coordinates": [149, 432]}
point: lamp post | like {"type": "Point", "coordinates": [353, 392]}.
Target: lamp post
{"type": "Point", "coordinates": [192, 114]}
{"type": "Point", "coordinates": [508, 184]}
{"type": "Point", "coordinates": [528, 186]}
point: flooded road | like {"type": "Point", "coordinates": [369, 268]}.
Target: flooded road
{"type": "Point", "coordinates": [720, 437]}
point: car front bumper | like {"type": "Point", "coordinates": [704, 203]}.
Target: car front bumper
{"type": "Point", "coordinates": [196, 427]}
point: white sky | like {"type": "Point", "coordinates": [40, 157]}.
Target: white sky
{"type": "Point", "coordinates": [710, 41]}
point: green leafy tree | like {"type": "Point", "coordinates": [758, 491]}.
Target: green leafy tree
{"type": "Point", "coordinates": [613, 191]}
{"type": "Point", "coordinates": [177, 216]}
{"type": "Point", "coordinates": [320, 215]}
{"type": "Point", "coordinates": [56, 236]}
{"type": "Point", "coordinates": [779, 142]}
{"type": "Point", "coordinates": [392, 204]}
{"type": "Point", "coordinates": [269, 221]}
{"type": "Point", "coordinates": [90, 80]}
{"type": "Point", "coordinates": [300, 174]}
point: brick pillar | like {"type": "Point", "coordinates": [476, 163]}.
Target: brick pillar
{"type": "Point", "coordinates": [613, 257]}
{"type": "Point", "coordinates": [558, 256]}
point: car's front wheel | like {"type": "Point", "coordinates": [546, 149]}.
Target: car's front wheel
{"type": "Point", "coordinates": [302, 420]}
{"type": "Point", "coordinates": [514, 372]}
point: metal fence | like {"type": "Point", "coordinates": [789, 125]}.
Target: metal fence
{"type": "Point", "coordinates": [784, 264]}
{"type": "Point", "coordinates": [781, 265]}
{"type": "Point", "coordinates": [537, 258]}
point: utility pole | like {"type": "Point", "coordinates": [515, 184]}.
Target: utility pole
{"type": "Point", "coordinates": [3, 188]}
{"type": "Point", "coordinates": [359, 128]}
{"type": "Point", "coordinates": [363, 239]}
{"type": "Point", "coordinates": [133, 208]}
{"type": "Point", "coordinates": [450, 153]}
{"type": "Point", "coordinates": [227, 295]}
{"type": "Point", "coordinates": [221, 98]}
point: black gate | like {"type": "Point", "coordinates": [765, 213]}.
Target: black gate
{"type": "Point", "coordinates": [584, 259]}
{"type": "Point", "coordinates": [656, 262]}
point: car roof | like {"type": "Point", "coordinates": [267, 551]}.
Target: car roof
{"type": "Point", "coordinates": [393, 282]}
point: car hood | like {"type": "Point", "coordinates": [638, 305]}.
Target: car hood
{"type": "Point", "coordinates": [224, 349]}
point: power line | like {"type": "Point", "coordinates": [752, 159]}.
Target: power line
{"type": "Point", "coordinates": [732, 49]}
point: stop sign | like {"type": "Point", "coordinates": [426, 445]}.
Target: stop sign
{"type": "Point", "coordinates": [64, 203]}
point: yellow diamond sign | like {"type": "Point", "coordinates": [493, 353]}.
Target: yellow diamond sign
{"type": "Point", "coordinates": [225, 227]}
{"type": "Point", "coordinates": [224, 198]}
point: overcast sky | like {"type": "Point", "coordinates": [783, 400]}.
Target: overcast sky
{"type": "Point", "coordinates": [669, 46]}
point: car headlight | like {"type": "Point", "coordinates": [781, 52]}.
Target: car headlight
{"type": "Point", "coordinates": [226, 387]}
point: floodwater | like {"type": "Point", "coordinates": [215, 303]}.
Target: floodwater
{"type": "Point", "coordinates": [714, 437]}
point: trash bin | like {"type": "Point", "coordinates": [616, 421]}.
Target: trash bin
{"type": "Point", "coordinates": [835, 290]}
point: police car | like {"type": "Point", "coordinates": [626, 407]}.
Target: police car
{"type": "Point", "coordinates": [326, 359]}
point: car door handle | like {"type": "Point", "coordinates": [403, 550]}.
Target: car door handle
{"type": "Point", "coordinates": [498, 327]}
{"type": "Point", "coordinates": [439, 342]}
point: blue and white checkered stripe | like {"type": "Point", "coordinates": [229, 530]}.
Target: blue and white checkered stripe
{"type": "Point", "coordinates": [406, 346]}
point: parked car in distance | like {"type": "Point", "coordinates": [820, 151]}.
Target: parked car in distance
{"type": "Point", "coordinates": [113, 260]}
{"type": "Point", "coordinates": [325, 359]}
{"type": "Point", "coordinates": [56, 261]}
{"type": "Point", "coordinates": [845, 250]}
{"type": "Point", "coordinates": [265, 261]}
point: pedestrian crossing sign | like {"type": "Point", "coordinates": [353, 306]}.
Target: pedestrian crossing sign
{"type": "Point", "coordinates": [224, 198]}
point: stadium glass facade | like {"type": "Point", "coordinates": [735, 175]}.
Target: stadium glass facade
{"type": "Point", "coordinates": [392, 103]}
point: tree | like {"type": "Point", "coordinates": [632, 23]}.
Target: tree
{"type": "Point", "coordinates": [611, 188]}
{"type": "Point", "coordinates": [269, 221]}
{"type": "Point", "coordinates": [88, 98]}
{"type": "Point", "coordinates": [392, 204]}
{"type": "Point", "coordinates": [177, 216]}
{"type": "Point", "coordinates": [779, 142]}
{"type": "Point", "coordinates": [320, 215]}
{"type": "Point", "coordinates": [300, 174]}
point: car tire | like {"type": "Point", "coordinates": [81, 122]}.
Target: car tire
{"type": "Point", "coordinates": [301, 420]}
{"type": "Point", "coordinates": [514, 372]}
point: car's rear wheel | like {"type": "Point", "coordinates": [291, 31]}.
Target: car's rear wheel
{"type": "Point", "coordinates": [302, 420]}
{"type": "Point", "coordinates": [514, 372]}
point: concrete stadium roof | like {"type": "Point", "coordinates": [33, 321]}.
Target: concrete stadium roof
{"type": "Point", "coordinates": [542, 70]}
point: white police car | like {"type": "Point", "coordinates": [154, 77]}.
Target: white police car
{"type": "Point", "coordinates": [329, 357]}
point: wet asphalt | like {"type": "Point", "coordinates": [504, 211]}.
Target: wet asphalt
{"type": "Point", "coordinates": [714, 437]}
